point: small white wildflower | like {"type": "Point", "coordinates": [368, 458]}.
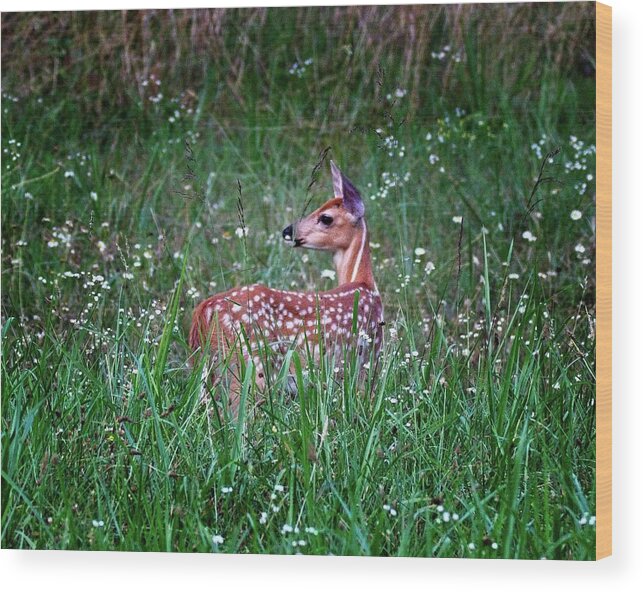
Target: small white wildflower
{"type": "Point", "coordinates": [528, 236]}
{"type": "Point", "coordinates": [579, 248]}
{"type": "Point", "coordinates": [429, 267]}
{"type": "Point", "coordinates": [419, 251]}
{"type": "Point", "coordinates": [263, 518]}
{"type": "Point", "coordinates": [217, 539]}
{"type": "Point", "coordinates": [241, 232]}
{"type": "Point", "coordinates": [69, 174]}
{"type": "Point", "coordinates": [576, 215]}
{"type": "Point", "coordinates": [328, 273]}
{"type": "Point", "coordinates": [494, 545]}
{"type": "Point", "coordinates": [457, 219]}
{"type": "Point", "coordinates": [471, 546]}
{"type": "Point", "coordinates": [225, 490]}
{"type": "Point", "coordinates": [286, 528]}
{"type": "Point", "coordinates": [513, 276]}
{"type": "Point", "coordinates": [94, 195]}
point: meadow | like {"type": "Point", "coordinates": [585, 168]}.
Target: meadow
{"type": "Point", "coordinates": [152, 159]}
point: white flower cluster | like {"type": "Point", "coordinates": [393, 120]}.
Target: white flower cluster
{"type": "Point", "coordinates": [441, 54]}
{"type": "Point", "coordinates": [390, 182]}
{"type": "Point", "coordinates": [298, 69]}
{"type": "Point", "coordinates": [390, 510]}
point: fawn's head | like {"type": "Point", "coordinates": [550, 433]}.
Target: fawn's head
{"type": "Point", "coordinates": [331, 227]}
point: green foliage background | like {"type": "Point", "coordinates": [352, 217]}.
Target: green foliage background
{"type": "Point", "coordinates": [126, 137]}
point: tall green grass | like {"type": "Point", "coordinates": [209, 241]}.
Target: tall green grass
{"type": "Point", "coordinates": [473, 436]}
{"type": "Point", "coordinates": [245, 58]}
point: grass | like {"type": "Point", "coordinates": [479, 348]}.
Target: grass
{"type": "Point", "coordinates": [477, 436]}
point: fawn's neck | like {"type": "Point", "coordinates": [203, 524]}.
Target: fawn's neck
{"type": "Point", "coordinates": [354, 263]}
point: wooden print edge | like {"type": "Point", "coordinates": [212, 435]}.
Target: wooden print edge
{"type": "Point", "coordinates": [603, 280]}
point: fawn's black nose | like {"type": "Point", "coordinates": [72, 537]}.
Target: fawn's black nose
{"type": "Point", "coordinates": [287, 233]}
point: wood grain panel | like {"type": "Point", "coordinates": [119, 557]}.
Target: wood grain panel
{"type": "Point", "coordinates": [603, 280]}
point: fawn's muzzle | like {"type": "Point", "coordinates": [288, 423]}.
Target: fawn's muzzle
{"type": "Point", "coordinates": [288, 233]}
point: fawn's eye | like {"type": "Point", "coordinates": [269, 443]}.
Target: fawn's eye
{"type": "Point", "coordinates": [325, 219]}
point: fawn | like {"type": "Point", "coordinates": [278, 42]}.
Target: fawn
{"type": "Point", "coordinates": [246, 319]}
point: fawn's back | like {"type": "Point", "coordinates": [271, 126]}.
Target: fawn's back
{"type": "Point", "coordinates": [253, 317]}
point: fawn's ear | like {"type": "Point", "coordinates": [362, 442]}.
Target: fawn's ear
{"type": "Point", "coordinates": [338, 185]}
{"type": "Point", "coordinates": [346, 190]}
